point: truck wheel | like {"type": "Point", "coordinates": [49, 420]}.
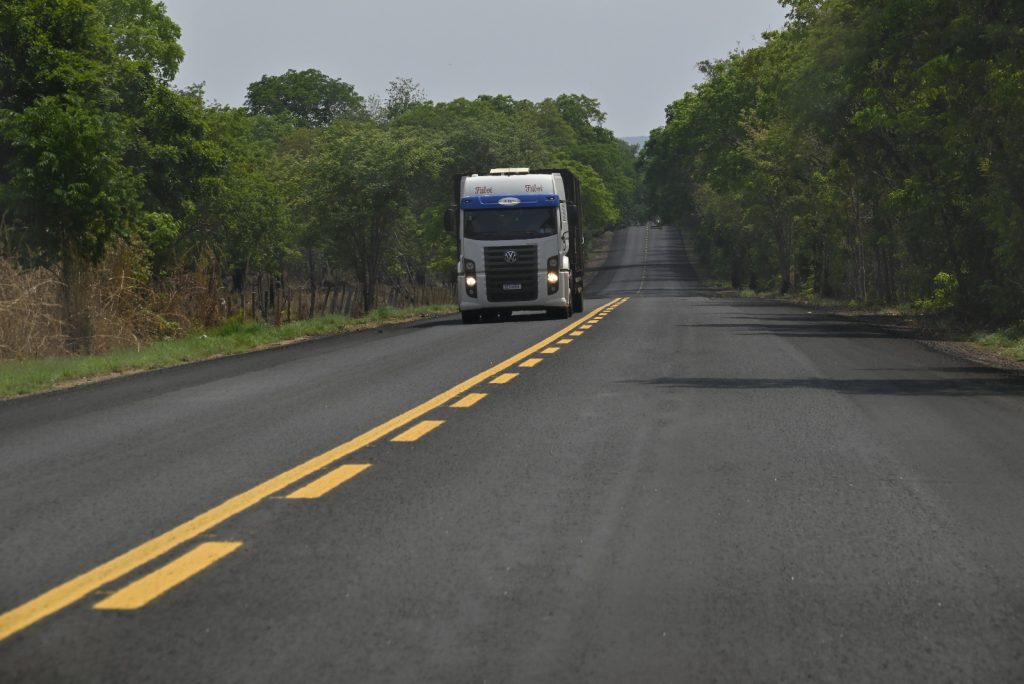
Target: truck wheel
{"type": "Point", "coordinates": [470, 317]}
{"type": "Point", "coordinates": [577, 301]}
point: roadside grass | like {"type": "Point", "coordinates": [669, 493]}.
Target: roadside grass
{"type": "Point", "coordinates": [1008, 342]}
{"type": "Point", "coordinates": [18, 377]}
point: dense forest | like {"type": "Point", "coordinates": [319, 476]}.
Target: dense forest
{"type": "Point", "coordinates": [872, 150]}
{"type": "Point", "coordinates": [130, 209]}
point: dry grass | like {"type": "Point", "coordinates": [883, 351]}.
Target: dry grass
{"type": "Point", "coordinates": [29, 312]}
{"type": "Point", "coordinates": [125, 308]}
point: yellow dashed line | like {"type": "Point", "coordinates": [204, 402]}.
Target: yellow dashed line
{"type": "Point", "coordinates": [565, 341]}
{"type": "Point", "coordinates": [417, 431]}
{"type": "Point", "coordinates": [469, 400]}
{"type": "Point", "coordinates": [63, 595]}
{"type": "Point", "coordinates": [576, 333]}
{"type": "Point", "coordinates": [504, 378]}
{"type": "Point", "coordinates": [320, 486]}
{"type": "Point", "coordinates": [530, 363]}
{"type": "Point", "coordinates": [142, 591]}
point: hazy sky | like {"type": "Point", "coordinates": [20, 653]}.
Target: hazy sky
{"type": "Point", "coordinates": [634, 56]}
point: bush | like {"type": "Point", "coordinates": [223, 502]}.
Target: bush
{"type": "Point", "coordinates": [943, 296]}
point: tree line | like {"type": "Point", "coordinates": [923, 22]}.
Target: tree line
{"type": "Point", "coordinates": [871, 150]}
{"type": "Point", "coordinates": [309, 182]}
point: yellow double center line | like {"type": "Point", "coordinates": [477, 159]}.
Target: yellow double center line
{"type": "Point", "coordinates": [73, 590]}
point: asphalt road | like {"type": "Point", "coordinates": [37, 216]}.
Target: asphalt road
{"type": "Point", "coordinates": [693, 489]}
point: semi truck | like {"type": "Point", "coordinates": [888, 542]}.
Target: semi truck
{"type": "Point", "coordinates": [520, 242]}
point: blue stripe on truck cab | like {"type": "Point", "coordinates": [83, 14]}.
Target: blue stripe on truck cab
{"type": "Point", "coordinates": [508, 201]}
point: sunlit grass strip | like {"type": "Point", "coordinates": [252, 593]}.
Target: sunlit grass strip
{"type": "Point", "coordinates": [34, 375]}
{"type": "Point", "coordinates": [1008, 342]}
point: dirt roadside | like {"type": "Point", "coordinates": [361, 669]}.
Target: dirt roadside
{"type": "Point", "coordinates": [917, 328]}
{"type": "Point", "coordinates": [913, 327]}
{"type": "Point", "coordinates": [598, 249]}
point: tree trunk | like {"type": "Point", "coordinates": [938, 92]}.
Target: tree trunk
{"type": "Point", "coordinates": [312, 285]}
{"type": "Point", "coordinates": [369, 294]}
{"type": "Point", "coordinates": [74, 314]}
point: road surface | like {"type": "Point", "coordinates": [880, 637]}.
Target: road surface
{"type": "Point", "coordinates": [672, 486]}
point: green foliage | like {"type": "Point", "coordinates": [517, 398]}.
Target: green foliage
{"type": "Point", "coordinates": [144, 35]}
{"type": "Point", "coordinates": [599, 208]}
{"type": "Point", "coordinates": [943, 296]}
{"type": "Point", "coordinates": [94, 144]}
{"type": "Point", "coordinates": [64, 172]}
{"type": "Point", "coordinates": [1007, 342]}
{"type": "Point", "coordinates": [364, 178]}
{"type": "Point", "coordinates": [863, 148]}
{"type": "Point", "coordinates": [245, 214]}
{"type": "Point", "coordinates": [304, 98]}
{"type": "Point", "coordinates": [403, 94]}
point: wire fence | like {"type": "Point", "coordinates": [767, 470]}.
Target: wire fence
{"type": "Point", "coordinates": [123, 310]}
{"type": "Point", "coordinates": [274, 301]}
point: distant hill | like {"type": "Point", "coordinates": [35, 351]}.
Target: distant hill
{"type": "Point", "coordinates": [636, 140]}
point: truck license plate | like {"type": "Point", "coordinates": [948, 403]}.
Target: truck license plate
{"type": "Point", "coordinates": [512, 286]}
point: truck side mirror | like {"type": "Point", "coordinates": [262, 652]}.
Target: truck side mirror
{"type": "Point", "coordinates": [449, 219]}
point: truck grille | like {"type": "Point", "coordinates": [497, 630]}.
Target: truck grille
{"type": "Point", "coordinates": [502, 275]}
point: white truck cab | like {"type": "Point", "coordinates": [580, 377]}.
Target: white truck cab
{"type": "Point", "coordinates": [520, 238]}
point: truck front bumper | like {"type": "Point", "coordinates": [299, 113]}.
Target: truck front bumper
{"type": "Point", "coordinates": [559, 300]}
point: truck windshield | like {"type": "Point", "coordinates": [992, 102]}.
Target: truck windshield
{"type": "Point", "coordinates": [510, 224]}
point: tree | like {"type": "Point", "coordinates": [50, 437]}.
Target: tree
{"type": "Point", "coordinates": [595, 146]}
{"type": "Point", "coordinates": [79, 81]}
{"type": "Point", "coordinates": [583, 114]}
{"type": "Point", "coordinates": [402, 95]}
{"type": "Point", "coordinates": [599, 208]}
{"type": "Point", "coordinates": [307, 98]}
{"type": "Point", "coordinates": [243, 216]}
{"type": "Point", "coordinates": [861, 151]}
{"type": "Point", "coordinates": [363, 179]}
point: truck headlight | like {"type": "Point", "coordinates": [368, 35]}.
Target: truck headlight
{"type": "Point", "coordinates": [471, 281]}
{"type": "Point", "coordinates": [553, 275]}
